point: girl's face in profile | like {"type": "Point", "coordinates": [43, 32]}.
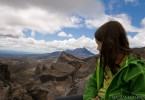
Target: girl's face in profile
{"type": "Point", "coordinates": [99, 47]}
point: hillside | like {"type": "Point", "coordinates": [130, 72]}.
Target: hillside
{"type": "Point", "coordinates": [37, 79]}
{"type": "Point", "coordinates": [78, 52]}
{"type": "Point", "coordinates": [140, 51]}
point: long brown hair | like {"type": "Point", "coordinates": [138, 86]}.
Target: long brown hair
{"type": "Point", "coordinates": [114, 41]}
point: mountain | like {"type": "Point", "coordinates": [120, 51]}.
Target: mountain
{"type": "Point", "coordinates": [65, 76]}
{"type": "Point", "coordinates": [45, 55]}
{"type": "Point", "coordinates": [12, 52]}
{"type": "Point", "coordinates": [140, 51]}
{"type": "Point", "coordinates": [80, 53]}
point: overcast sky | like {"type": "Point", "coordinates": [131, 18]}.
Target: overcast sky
{"type": "Point", "coordinates": [43, 26]}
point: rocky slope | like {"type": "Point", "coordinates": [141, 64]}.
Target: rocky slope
{"type": "Point", "coordinates": [45, 81]}
{"type": "Point", "coordinates": [140, 51]}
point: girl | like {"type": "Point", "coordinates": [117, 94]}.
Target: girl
{"type": "Point", "coordinates": [120, 73]}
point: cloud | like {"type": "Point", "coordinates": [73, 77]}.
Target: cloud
{"type": "Point", "coordinates": [124, 19]}
{"type": "Point", "coordinates": [14, 21]}
{"type": "Point", "coordinates": [51, 17]}
{"type": "Point", "coordinates": [134, 2]}
{"type": "Point", "coordinates": [44, 16]}
{"type": "Point", "coordinates": [143, 22]}
{"type": "Point", "coordinates": [64, 6]}
{"type": "Point", "coordinates": [41, 46]}
{"type": "Point", "coordinates": [139, 39]}
{"type": "Point", "coordinates": [112, 3]}
{"type": "Point", "coordinates": [131, 1]}
{"type": "Point", "coordinates": [63, 34]}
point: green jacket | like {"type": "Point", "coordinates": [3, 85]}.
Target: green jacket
{"type": "Point", "coordinates": [127, 84]}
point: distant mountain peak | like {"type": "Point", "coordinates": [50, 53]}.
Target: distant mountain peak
{"type": "Point", "coordinates": [80, 53]}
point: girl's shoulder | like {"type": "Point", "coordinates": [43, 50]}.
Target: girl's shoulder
{"type": "Point", "coordinates": [135, 59]}
{"type": "Point", "coordinates": [135, 63]}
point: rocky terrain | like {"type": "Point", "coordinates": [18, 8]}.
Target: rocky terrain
{"type": "Point", "coordinates": [140, 51]}
{"type": "Point", "coordinates": [44, 78]}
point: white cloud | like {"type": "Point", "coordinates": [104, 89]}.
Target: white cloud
{"type": "Point", "coordinates": [63, 34]}
{"type": "Point", "coordinates": [14, 21]}
{"type": "Point", "coordinates": [134, 2]}
{"type": "Point", "coordinates": [130, 1]}
{"type": "Point", "coordinates": [41, 46]}
{"type": "Point", "coordinates": [33, 34]}
{"type": "Point", "coordinates": [143, 22]}
{"type": "Point", "coordinates": [81, 7]}
{"type": "Point", "coordinates": [44, 16]}
{"type": "Point", "coordinates": [112, 3]}
{"type": "Point", "coordinates": [124, 19]}
{"type": "Point", "coordinates": [137, 41]}
{"type": "Point", "coordinates": [50, 17]}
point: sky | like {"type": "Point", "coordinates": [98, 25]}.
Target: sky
{"type": "Point", "coordinates": [45, 26]}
